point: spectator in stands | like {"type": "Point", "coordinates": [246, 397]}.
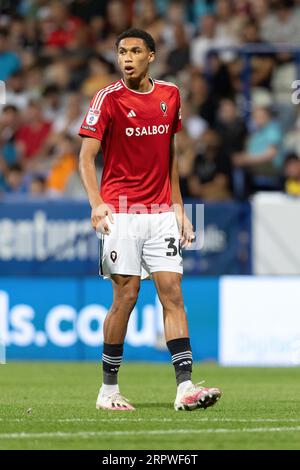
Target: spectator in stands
{"type": "Point", "coordinates": [18, 34]}
{"type": "Point", "coordinates": [37, 186]}
{"type": "Point", "coordinates": [176, 14]}
{"type": "Point", "coordinates": [230, 127]}
{"type": "Point", "coordinates": [260, 10]}
{"type": "Point", "coordinates": [3, 169]}
{"type": "Point", "coordinates": [32, 135]}
{"type": "Point", "coordinates": [262, 158]}
{"type": "Point", "coordinates": [52, 103]}
{"type": "Point", "coordinates": [64, 27]}
{"type": "Point", "coordinates": [117, 20]}
{"type": "Point", "coordinates": [9, 124]}
{"type": "Point", "coordinates": [59, 72]}
{"type": "Point", "coordinates": [220, 78]}
{"type": "Point", "coordinates": [9, 61]}
{"type": "Point", "coordinates": [70, 120]}
{"type": "Point", "coordinates": [17, 93]}
{"type": "Point", "coordinates": [35, 80]}
{"type": "Point", "coordinates": [186, 156]}
{"type": "Point", "coordinates": [59, 53]}
{"type": "Point", "coordinates": [201, 99]}
{"type": "Point", "coordinates": [262, 63]}
{"type": "Point", "coordinates": [88, 9]}
{"type": "Point", "coordinates": [292, 137]}
{"type": "Point", "coordinates": [74, 188]}
{"type": "Point", "coordinates": [194, 124]}
{"type": "Point", "coordinates": [179, 56]}
{"type": "Point", "coordinates": [210, 179]}
{"type": "Point", "coordinates": [226, 21]}
{"type": "Point", "coordinates": [148, 18]}
{"type": "Point", "coordinates": [63, 166]}
{"type": "Point", "coordinates": [99, 76]}
{"type": "Point", "coordinates": [14, 179]}
{"type": "Point", "coordinates": [24, 37]}
{"type": "Point", "coordinates": [205, 40]}
{"type": "Point", "coordinates": [282, 27]}
{"type": "Point", "coordinates": [200, 8]}
{"type": "Point", "coordinates": [118, 17]}
{"type": "Point", "coordinates": [292, 174]}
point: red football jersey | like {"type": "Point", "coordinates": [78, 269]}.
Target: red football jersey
{"type": "Point", "coordinates": [135, 130]}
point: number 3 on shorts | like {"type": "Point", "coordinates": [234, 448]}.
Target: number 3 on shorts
{"type": "Point", "coordinates": [173, 247]}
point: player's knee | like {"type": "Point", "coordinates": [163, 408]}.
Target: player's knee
{"type": "Point", "coordinates": [130, 296]}
{"type": "Point", "coordinates": [127, 295]}
{"type": "Point", "coordinates": [171, 295]}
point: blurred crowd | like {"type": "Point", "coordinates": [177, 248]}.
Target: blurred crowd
{"type": "Point", "coordinates": [233, 60]}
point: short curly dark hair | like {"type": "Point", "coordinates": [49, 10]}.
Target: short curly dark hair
{"type": "Point", "coordinates": [137, 33]}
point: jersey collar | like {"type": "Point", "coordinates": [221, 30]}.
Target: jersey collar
{"type": "Point", "coordinates": [140, 92]}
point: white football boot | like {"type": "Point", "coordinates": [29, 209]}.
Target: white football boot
{"type": "Point", "coordinates": [195, 396]}
{"type": "Point", "coordinates": [113, 402]}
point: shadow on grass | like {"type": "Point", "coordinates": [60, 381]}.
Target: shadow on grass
{"type": "Point", "coordinates": [167, 406]}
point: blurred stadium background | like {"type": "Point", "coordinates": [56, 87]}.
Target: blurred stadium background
{"type": "Point", "coordinates": [236, 63]}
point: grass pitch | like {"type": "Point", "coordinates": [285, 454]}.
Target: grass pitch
{"type": "Point", "coordinates": [52, 406]}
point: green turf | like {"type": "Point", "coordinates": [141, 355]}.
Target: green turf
{"type": "Point", "coordinates": [62, 398]}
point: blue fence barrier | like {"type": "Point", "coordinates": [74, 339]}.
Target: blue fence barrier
{"type": "Point", "coordinates": [54, 237]}
{"type": "Point", "coordinates": [62, 319]}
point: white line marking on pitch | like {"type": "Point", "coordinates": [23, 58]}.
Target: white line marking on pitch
{"type": "Point", "coordinates": [172, 420]}
{"type": "Point", "coordinates": [86, 434]}
{"type": "Point", "coordinates": [149, 420]}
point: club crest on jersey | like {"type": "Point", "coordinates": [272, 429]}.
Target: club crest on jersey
{"type": "Point", "coordinates": [113, 256]}
{"type": "Point", "coordinates": [163, 107]}
{"type": "Point", "coordinates": [129, 131]}
{"type": "Point", "coordinates": [93, 116]}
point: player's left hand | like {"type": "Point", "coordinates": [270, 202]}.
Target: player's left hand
{"type": "Point", "coordinates": [186, 230]}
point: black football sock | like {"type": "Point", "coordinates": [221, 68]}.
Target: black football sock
{"type": "Point", "coordinates": [111, 361]}
{"type": "Point", "coordinates": [182, 359]}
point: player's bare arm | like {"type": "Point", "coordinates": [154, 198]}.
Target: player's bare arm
{"type": "Point", "coordinates": [185, 227]}
{"type": "Point", "coordinates": [89, 150]}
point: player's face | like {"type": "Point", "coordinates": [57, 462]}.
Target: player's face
{"type": "Point", "coordinates": [134, 57]}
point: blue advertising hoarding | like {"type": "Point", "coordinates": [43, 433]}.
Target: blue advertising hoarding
{"type": "Point", "coordinates": [227, 241]}
{"type": "Point", "coordinates": [62, 318]}
{"type": "Point", "coordinates": [46, 237]}
{"type": "Point", "coordinates": [54, 237]}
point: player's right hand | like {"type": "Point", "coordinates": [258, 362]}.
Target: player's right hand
{"type": "Point", "coordinates": [98, 218]}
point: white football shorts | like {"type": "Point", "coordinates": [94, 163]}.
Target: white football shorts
{"type": "Point", "coordinates": [140, 244]}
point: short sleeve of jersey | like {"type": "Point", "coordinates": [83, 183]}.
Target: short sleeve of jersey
{"type": "Point", "coordinates": [97, 117]}
{"type": "Point", "coordinates": [177, 120]}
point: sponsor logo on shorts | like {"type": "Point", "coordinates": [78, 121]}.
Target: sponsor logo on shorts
{"type": "Point", "coordinates": [147, 130]}
{"type": "Point", "coordinates": [113, 256]}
